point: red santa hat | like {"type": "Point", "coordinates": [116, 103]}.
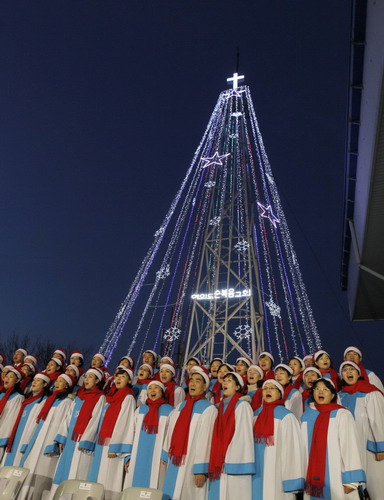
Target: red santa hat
{"type": "Point", "coordinates": [61, 352]}
{"type": "Point", "coordinates": [312, 369]}
{"type": "Point", "coordinates": [99, 355]}
{"type": "Point", "coordinates": [350, 363]}
{"type": "Point", "coordinates": [238, 377]}
{"type": "Point", "coordinates": [203, 372]}
{"type": "Point", "coordinates": [57, 361]}
{"type": "Point", "coordinates": [276, 383]}
{"type": "Point", "coordinates": [194, 359]}
{"type": "Point", "coordinates": [308, 356]}
{"type": "Point", "coordinates": [31, 366]}
{"type": "Point", "coordinates": [318, 354]}
{"type": "Point", "coordinates": [68, 378]}
{"type": "Point", "coordinates": [75, 369]}
{"type": "Point", "coordinates": [18, 374]}
{"type": "Point", "coordinates": [99, 374]}
{"type": "Point", "coordinates": [154, 354]}
{"type": "Point", "coordinates": [77, 354]}
{"type": "Point", "coordinates": [22, 350]}
{"type": "Point", "coordinates": [147, 365]}
{"type": "Point", "coordinates": [156, 382]}
{"type": "Point", "coordinates": [284, 367]}
{"type": "Point", "coordinates": [300, 361]}
{"type": "Point", "coordinates": [258, 369]}
{"type": "Point", "coordinates": [355, 349]}
{"type": "Point", "coordinates": [247, 361]}
{"type": "Point", "coordinates": [169, 367]}
{"type": "Point", "coordinates": [32, 358]}
{"type": "Point", "coordinates": [266, 353]}
{"type": "Point", "coordinates": [128, 371]}
{"type": "Point", "coordinates": [43, 376]}
{"type": "Point", "coordinates": [168, 359]}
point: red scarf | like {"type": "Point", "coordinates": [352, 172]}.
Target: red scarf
{"type": "Point", "coordinates": [53, 376]}
{"type": "Point", "coordinates": [48, 404]}
{"type": "Point", "coordinates": [143, 381]}
{"type": "Point", "coordinates": [26, 402]}
{"type": "Point", "coordinates": [307, 393]}
{"type": "Point", "coordinates": [179, 440]}
{"type": "Point", "coordinates": [216, 391]}
{"type": "Point", "coordinates": [314, 483]}
{"type": "Point", "coordinates": [223, 431]}
{"type": "Point", "coordinates": [90, 398]}
{"type": "Point", "coordinates": [334, 377]}
{"type": "Point", "coordinates": [5, 398]}
{"type": "Point", "coordinates": [170, 392]}
{"type": "Point", "coordinates": [297, 383]}
{"type": "Point", "coordinates": [257, 399]}
{"type": "Point", "coordinates": [363, 372]}
{"type": "Point", "coordinates": [24, 383]}
{"type": "Point", "coordinates": [151, 419]}
{"type": "Point", "coordinates": [360, 386]}
{"type": "Point", "coordinates": [264, 427]}
{"type": "Point", "coordinates": [111, 415]}
{"type": "Point", "coordinates": [287, 390]}
{"type": "Point", "coordinates": [268, 374]}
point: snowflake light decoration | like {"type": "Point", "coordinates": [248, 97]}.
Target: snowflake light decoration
{"type": "Point", "coordinates": [163, 272]}
{"type": "Point", "coordinates": [210, 184]}
{"type": "Point", "coordinates": [243, 332]}
{"type": "Point", "coordinates": [274, 309]}
{"type": "Point", "coordinates": [172, 334]}
{"type": "Point", "coordinates": [242, 246]}
{"type": "Point", "coordinates": [215, 221]}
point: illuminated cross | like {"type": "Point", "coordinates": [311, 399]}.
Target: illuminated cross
{"type": "Point", "coordinates": [235, 79]}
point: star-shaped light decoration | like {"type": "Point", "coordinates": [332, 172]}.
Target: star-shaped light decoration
{"type": "Point", "coordinates": [233, 93]}
{"type": "Point", "coordinates": [215, 221]}
{"type": "Point", "coordinates": [172, 334]}
{"type": "Point", "coordinates": [210, 184]}
{"type": "Point", "coordinates": [241, 246]}
{"type": "Point", "coordinates": [214, 160]}
{"type": "Point", "coordinates": [242, 332]}
{"type": "Point", "coordinates": [163, 272]}
{"type": "Point", "coordinates": [274, 309]}
{"type": "Point", "coordinates": [268, 214]}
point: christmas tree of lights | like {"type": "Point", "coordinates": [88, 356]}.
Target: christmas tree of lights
{"type": "Point", "coordinates": [222, 276]}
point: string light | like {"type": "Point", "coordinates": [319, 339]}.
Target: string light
{"type": "Point", "coordinates": [199, 225]}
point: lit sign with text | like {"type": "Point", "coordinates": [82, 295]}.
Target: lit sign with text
{"type": "Point", "coordinates": [226, 293]}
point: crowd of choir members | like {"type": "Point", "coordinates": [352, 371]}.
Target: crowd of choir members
{"type": "Point", "coordinates": [270, 432]}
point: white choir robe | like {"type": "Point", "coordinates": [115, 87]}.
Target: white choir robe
{"type": "Point", "coordinates": [8, 417]}
{"type": "Point", "coordinates": [179, 480]}
{"type": "Point", "coordinates": [25, 429]}
{"type": "Point", "coordinates": [280, 468]}
{"type": "Point", "coordinates": [374, 380]}
{"type": "Point", "coordinates": [73, 463]}
{"type": "Point", "coordinates": [239, 463]}
{"type": "Point", "coordinates": [110, 471]}
{"type": "Point", "coordinates": [140, 391]}
{"type": "Point", "coordinates": [145, 461]}
{"type": "Point", "coordinates": [368, 410]}
{"type": "Point", "coordinates": [343, 462]}
{"type": "Point", "coordinates": [179, 395]}
{"type": "Point", "coordinates": [42, 467]}
{"type": "Point", "coordinates": [294, 403]}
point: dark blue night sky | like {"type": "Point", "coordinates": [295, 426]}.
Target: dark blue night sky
{"type": "Point", "coordinates": [103, 104]}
